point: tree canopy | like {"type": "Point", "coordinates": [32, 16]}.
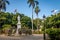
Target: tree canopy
{"type": "Point", "coordinates": [53, 21]}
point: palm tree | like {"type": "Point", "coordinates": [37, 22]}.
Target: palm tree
{"type": "Point", "coordinates": [37, 10]}
{"type": "Point", "coordinates": [3, 5]}
{"type": "Point", "coordinates": [32, 3]}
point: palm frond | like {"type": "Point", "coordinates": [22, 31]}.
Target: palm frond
{"type": "Point", "coordinates": [28, 1]}
{"type": "Point", "coordinates": [29, 5]}
{"type": "Point", "coordinates": [36, 2]}
{"type": "Point", "coordinates": [4, 7]}
{"type": "Point", "coordinates": [3, 4]}
{"type": "Point", "coordinates": [7, 2]}
{"type": "Point", "coordinates": [33, 4]}
{"type": "Point", "coordinates": [37, 10]}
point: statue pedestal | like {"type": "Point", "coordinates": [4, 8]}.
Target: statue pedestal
{"type": "Point", "coordinates": [17, 33]}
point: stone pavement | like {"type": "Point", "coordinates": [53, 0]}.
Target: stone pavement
{"type": "Point", "coordinates": [28, 37]}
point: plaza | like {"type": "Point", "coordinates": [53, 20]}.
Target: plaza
{"type": "Point", "coordinates": [29, 19]}
{"type": "Point", "coordinates": [23, 37]}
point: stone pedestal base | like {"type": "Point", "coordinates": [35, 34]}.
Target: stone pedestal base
{"type": "Point", "coordinates": [17, 35]}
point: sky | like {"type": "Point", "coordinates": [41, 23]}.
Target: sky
{"type": "Point", "coordinates": [46, 6]}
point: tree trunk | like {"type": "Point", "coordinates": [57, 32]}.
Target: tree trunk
{"type": "Point", "coordinates": [32, 19]}
{"type": "Point", "coordinates": [37, 22]}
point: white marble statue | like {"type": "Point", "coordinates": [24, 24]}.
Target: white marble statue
{"type": "Point", "coordinates": [18, 18]}
{"type": "Point", "coordinates": [19, 23]}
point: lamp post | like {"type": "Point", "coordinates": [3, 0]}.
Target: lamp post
{"type": "Point", "coordinates": [44, 27]}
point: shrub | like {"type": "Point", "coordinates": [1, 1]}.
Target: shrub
{"type": "Point", "coordinates": [20, 31]}
{"type": "Point", "coordinates": [37, 32]}
{"type": "Point", "coordinates": [25, 31]}
{"type": "Point", "coordinates": [6, 28]}
{"type": "Point", "coordinates": [0, 30]}
{"type": "Point", "coordinates": [28, 31]}
{"type": "Point", "coordinates": [54, 33]}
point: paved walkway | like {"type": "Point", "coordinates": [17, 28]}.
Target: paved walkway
{"type": "Point", "coordinates": [29, 37]}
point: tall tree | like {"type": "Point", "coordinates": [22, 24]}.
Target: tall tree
{"type": "Point", "coordinates": [37, 10]}
{"type": "Point", "coordinates": [32, 3]}
{"type": "Point", "coordinates": [3, 4]}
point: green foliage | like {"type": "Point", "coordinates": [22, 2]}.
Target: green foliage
{"type": "Point", "coordinates": [7, 19]}
{"type": "Point", "coordinates": [28, 31]}
{"type": "Point", "coordinates": [25, 31]}
{"type": "Point", "coordinates": [37, 22]}
{"type": "Point", "coordinates": [10, 19]}
{"type": "Point", "coordinates": [53, 21]}
{"type": "Point", "coordinates": [54, 33]}
{"type": "Point", "coordinates": [6, 27]}
{"type": "Point", "coordinates": [26, 22]}
{"type": "Point", "coordinates": [37, 32]}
